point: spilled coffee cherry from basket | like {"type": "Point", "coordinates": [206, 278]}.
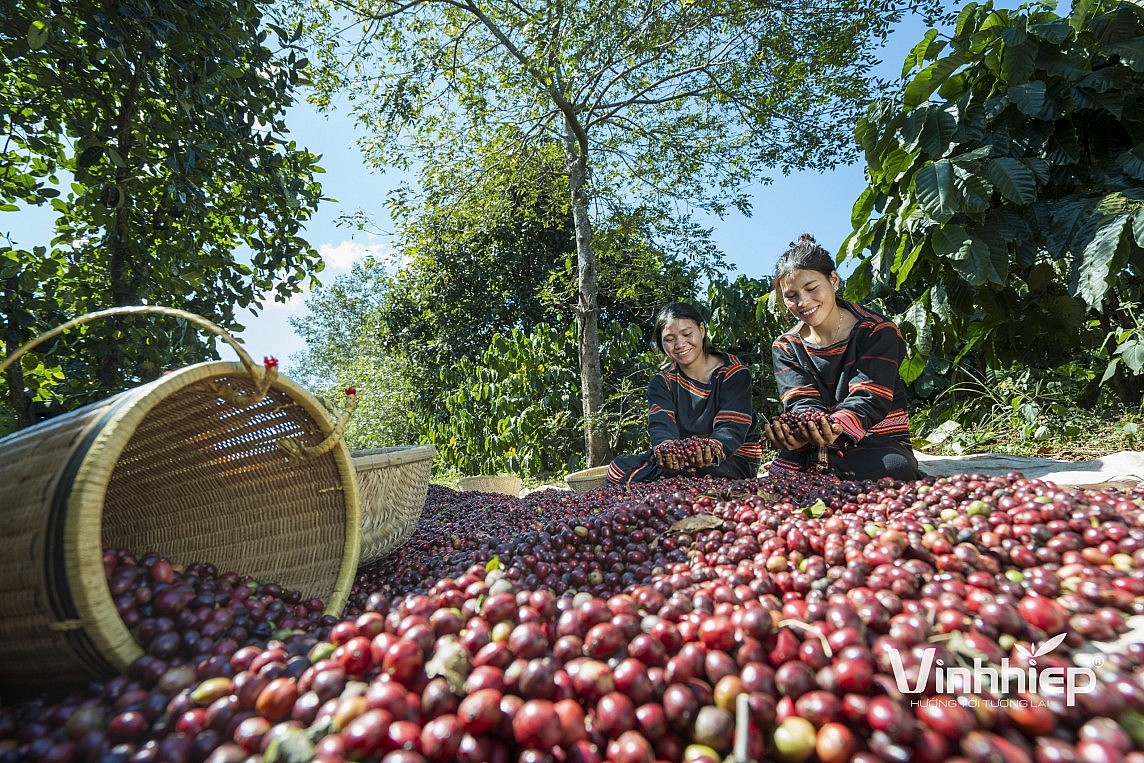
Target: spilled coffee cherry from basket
{"type": "Point", "coordinates": [765, 592]}
{"type": "Point", "coordinates": [191, 615]}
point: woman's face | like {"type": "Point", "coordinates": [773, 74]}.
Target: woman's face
{"type": "Point", "coordinates": [809, 295]}
{"type": "Point", "coordinates": [682, 340]}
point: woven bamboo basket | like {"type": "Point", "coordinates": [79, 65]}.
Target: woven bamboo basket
{"type": "Point", "coordinates": [392, 484]}
{"type": "Point", "coordinates": [491, 483]}
{"type": "Point", "coordinates": [218, 462]}
{"type": "Point", "coordinates": [586, 479]}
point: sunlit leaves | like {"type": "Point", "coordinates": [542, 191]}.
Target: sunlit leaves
{"type": "Point", "coordinates": [861, 211]}
{"type": "Point", "coordinates": [1131, 352]}
{"type": "Point", "coordinates": [924, 50]}
{"type": "Point", "coordinates": [1039, 167]}
{"type": "Point", "coordinates": [917, 318]}
{"type": "Point", "coordinates": [1093, 266]}
{"type": "Point", "coordinates": [906, 265]}
{"type": "Point", "coordinates": [933, 184]}
{"type": "Point", "coordinates": [930, 79]}
{"type": "Point", "coordinates": [38, 33]}
{"type": "Point", "coordinates": [1013, 179]}
{"type": "Point", "coordinates": [969, 255]}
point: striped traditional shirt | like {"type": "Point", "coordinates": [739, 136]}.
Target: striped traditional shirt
{"type": "Point", "coordinates": [680, 407]}
{"type": "Point", "coordinates": [856, 379]}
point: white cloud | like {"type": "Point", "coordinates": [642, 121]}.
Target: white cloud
{"type": "Point", "coordinates": [294, 303]}
{"type": "Point", "coordinates": [340, 257]}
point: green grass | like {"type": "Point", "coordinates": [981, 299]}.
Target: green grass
{"type": "Point", "coordinates": [1072, 435]}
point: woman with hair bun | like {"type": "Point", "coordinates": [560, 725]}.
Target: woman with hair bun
{"type": "Point", "coordinates": [844, 404]}
{"type": "Point", "coordinates": [701, 418]}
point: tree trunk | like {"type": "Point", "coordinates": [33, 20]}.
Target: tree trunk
{"type": "Point", "coordinates": [596, 449]}
{"type": "Point", "coordinates": [122, 286]}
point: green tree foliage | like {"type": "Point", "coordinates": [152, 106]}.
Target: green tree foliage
{"type": "Point", "coordinates": [666, 102]}
{"type": "Point", "coordinates": [349, 345]}
{"type": "Point", "coordinates": [485, 252]}
{"type": "Point", "coordinates": [156, 133]}
{"type": "Point", "coordinates": [514, 409]}
{"type": "Point", "coordinates": [1005, 211]}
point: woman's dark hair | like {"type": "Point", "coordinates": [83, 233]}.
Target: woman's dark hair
{"type": "Point", "coordinates": [804, 254]}
{"type": "Point", "coordinates": [675, 311]}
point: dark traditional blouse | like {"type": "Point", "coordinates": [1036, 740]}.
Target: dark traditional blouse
{"type": "Point", "coordinates": [679, 407]}
{"type": "Point", "coordinates": [856, 379]}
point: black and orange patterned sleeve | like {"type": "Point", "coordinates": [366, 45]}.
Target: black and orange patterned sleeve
{"type": "Point", "coordinates": [736, 411]}
{"type": "Point", "coordinates": [797, 388]}
{"type": "Point", "coordinates": [872, 379]}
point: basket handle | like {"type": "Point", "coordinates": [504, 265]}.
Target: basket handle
{"type": "Point", "coordinates": [297, 452]}
{"type": "Point", "coordinates": [262, 378]}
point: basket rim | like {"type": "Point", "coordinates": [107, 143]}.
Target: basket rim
{"type": "Point", "coordinates": [85, 568]}
{"type": "Point", "coordinates": [471, 482]}
{"type": "Point", "coordinates": [489, 477]}
{"type": "Point", "coordinates": [392, 456]}
{"type": "Point", "coordinates": [587, 474]}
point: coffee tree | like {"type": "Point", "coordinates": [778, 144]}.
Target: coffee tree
{"type": "Point", "coordinates": [1006, 196]}
{"type": "Point", "coordinates": [156, 133]}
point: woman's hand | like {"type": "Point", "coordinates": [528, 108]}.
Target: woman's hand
{"type": "Point", "coordinates": [668, 461]}
{"type": "Point", "coordinates": [703, 456]}
{"type": "Point", "coordinates": [692, 453]}
{"type": "Point", "coordinates": [784, 437]}
{"type": "Point", "coordinates": [822, 432]}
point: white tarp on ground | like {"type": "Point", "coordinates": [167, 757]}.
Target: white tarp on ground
{"type": "Point", "coordinates": [1123, 470]}
{"type": "Point", "coordinates": [1120, 469]}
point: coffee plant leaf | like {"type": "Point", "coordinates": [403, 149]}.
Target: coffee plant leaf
{"type": "Point", "coordinates": [816, 509]}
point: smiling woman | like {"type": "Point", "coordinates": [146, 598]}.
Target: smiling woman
{"type": "Point", "coordinates": [844, 404]}
{"type": "Point", "coordinates": [700, 414]}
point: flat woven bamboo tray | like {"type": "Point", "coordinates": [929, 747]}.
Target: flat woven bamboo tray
{"type": "Point", "coordinates": [392, 484]}
{"type": "Point", "coordinates": [586, 479]}
{"type": "Point", "coordinates": [217, 462]}
{"type": "Point", "coordinates": [491, 483]}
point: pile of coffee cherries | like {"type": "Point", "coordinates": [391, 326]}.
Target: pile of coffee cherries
{"type": "Point", "coordinates": [789, 618]}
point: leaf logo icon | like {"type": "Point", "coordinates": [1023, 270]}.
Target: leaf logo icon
{"type": "Point", "coordinates": [1025, 652]}
{"type": "Point", "coordinates": [1049, 645]}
